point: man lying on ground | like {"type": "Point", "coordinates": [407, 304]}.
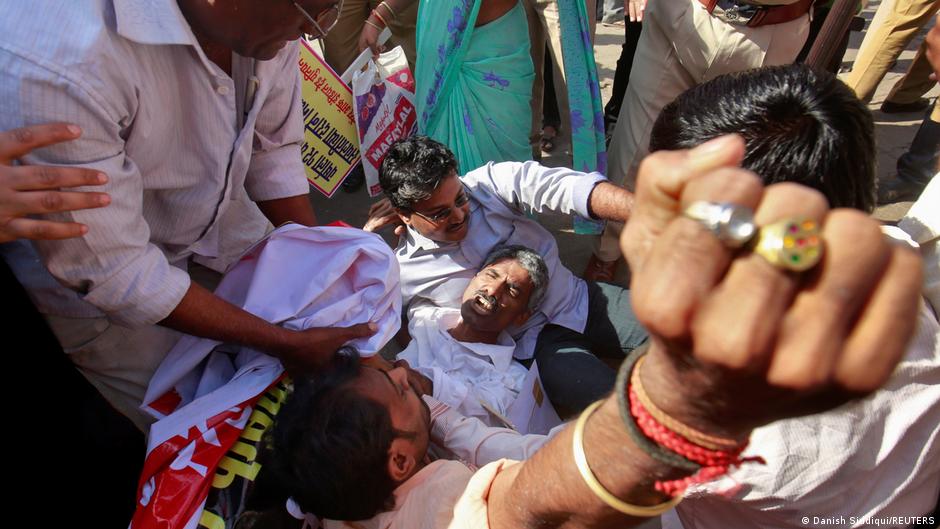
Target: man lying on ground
{"type": "Point", "coordinates": [466, 353]}
{"type": "Point", "coordinates": [353, 446]}
{"type": "Point", "coordinates": [878, 457]}
{"type": "Point", "coordinates": [453, 222]}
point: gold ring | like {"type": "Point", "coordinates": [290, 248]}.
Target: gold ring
{"type": "Point", "coordinates": [790, 244]}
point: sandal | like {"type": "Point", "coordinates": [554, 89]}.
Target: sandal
{"type": "Point", "coordinates": [548, 138]}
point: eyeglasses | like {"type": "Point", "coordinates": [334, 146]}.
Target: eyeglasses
{"type": "Point", "coordinates": [459, 202]}
{"type": "Point", "coordinates": [323, 22]}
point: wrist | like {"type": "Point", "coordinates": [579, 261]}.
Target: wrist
{"type": "Point", "coordinates": [687, 392]}
{"type": "Point", "coordinates": [377, 19]}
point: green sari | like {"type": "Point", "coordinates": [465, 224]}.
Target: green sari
{"type": "Point", "coordinates": [474, 84]}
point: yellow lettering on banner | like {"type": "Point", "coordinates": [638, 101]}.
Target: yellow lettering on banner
{"type": "Point", "coordinates": [229, 467]}
{"type": "Point", "coordinates": [210, 520]}
{"type": "Point", "coordinates": [249, 452]}
{"type": "Point", "coordinates": [258, 423]}
{"type": "Point", "coordinates": [262, 417]}
{"type": "Point", "coordinates": [331, 142]}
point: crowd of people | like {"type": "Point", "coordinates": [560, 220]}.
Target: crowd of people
{"type": "Point", "coordinates": [773, 362]}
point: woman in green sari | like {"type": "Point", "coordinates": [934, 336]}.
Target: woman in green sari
{"type": "Point", "coordinates": [474, 78]}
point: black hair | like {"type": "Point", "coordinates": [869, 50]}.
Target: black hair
{"type": "Point", "coordinates": [329, 445]}
{"type": "Point", "coordinates": [800, 125]}
{"type": "Point", "coordinates": [413, 168]}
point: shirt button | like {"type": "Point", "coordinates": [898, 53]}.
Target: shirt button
{"type": "Point", "coordinates": [222, 90]}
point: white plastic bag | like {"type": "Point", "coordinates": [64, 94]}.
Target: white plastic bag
{"type": "Point", "coordinates": [383, 98]}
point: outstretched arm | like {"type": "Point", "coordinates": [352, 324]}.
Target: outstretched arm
{"type": "Point", "coordinates": [735, 341]}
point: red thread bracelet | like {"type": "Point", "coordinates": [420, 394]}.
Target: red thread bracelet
{"type": "Point", "coordinates": [714, 463]}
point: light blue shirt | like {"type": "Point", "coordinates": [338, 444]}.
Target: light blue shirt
{"type": "Point", "coordinates": [500, 195]}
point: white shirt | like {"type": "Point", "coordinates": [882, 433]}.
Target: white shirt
{"type": "Point", "coordinates": [922, 223]}
{"type": "Point", "coordinates": [464, 373]}
{"type": "Point", "coordinates": [500, 195]}
{"type": "Point", "coordinates": [468, 439]}
{"type": "Point", "coordinates": [186, 147]}
{"type": "Point", "coordinates": [877, 457]}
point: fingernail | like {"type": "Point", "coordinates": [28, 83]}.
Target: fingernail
{"type": "Point", "coordinates": [104, 200]}
{"type": "Point", "coordinates": [83, 229]}
{"type": "Point", "coordinates": [101, 178]}
{"type": "Point", "coordinates": [373, 327]}
{"type": "Point", "coordinates": [75, 130]}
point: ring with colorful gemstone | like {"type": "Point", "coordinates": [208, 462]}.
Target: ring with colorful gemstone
{"type": "Point", "coordinates": [731, 223]}
{"type": "Point", "coordinates": [791, 244]}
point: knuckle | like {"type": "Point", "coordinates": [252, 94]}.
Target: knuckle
{"type": "Point", "coordinates": [23, 135]}
{"type": "Point", "coordinates": [51, 201]}
{"type": "Point", "coordinates": [40, 231]}
{"type": "Point", "coordinates": [47, 176]}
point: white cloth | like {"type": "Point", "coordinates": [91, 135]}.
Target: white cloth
{"type": "Point", "coordinates": [204, 393]}
{"type": "Point", "coordinates": [463, 373]}
{"type": "Point", "coordinates": [468, 439]}
{"type": "Point", "coordinates": [500, 195]}
{"type": "Point", "coordinates": [186, 148]}
{"type": "Point", "coordinates": [922, 223]}
{"type": "Point", "coordinates": [877, 457]}
{"type": "Point", "coordinates": [298, 277]}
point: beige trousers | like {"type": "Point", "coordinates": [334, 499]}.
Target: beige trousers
{"type": "Point", "coordinates": [118, 361]}
{"type": "Point", "coordinates": [896, 22]}
{"type": "Point", "coordinates": [341, 44]}
{"type": "Point", "coordinates": [544, 27]}
{"type": "Point", "coordinates": [681, 46]}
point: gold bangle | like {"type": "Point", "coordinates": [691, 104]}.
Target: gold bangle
{"type": "Point", "coordinates": [580, 460]}
{"type": "Point", "coordinates": [373, 24]}
{"type": "Point", "coordinates": [380, 17]}
{"type": "Point", "coordinates": [391, 11]}
{"type": "Point", "coordinates": [700, 438]}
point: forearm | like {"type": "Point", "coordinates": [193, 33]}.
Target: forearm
{"type": "Point", "coordinates": [202, 313]}
{"type": "Point", "coordinates": [291, 209]}
{"type": "Point", "coordinates": [549, 491]}
{"type": "Point", "coordinates": [610, 202]}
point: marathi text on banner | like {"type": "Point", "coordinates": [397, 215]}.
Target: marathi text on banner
{"type": "Point", "coordinates": [331, 145]}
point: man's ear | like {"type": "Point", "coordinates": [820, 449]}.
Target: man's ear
{"type": "Point", "coordinates": [405, 216]}
{"type": "Point", "coordinates": [401, 460]}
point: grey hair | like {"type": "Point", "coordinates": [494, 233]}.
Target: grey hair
{"type": "Point", "coordinates": [529, 260]}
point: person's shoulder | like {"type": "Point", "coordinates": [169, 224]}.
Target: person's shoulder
{"type": "Point", "coordinates": [445, 481]}
{"type": "Point", "coordinates": [81, 29]}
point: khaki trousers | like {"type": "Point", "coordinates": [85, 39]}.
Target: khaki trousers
{"type": "Point", "coordinates": [896, 22]}
{"type": "Point", "coordinates": [682, 45]}
{"type": "Point", "coordinates": [544, 27]}
{"type": "Point", "coordinates": [341, 44]}
{"type": "Point", "coordinates": [119, 361]}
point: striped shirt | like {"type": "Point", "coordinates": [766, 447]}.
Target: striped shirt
{"type": "Point", "coordinates": [187, 148]}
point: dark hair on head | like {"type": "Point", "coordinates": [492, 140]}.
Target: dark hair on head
{"type": "Point", "coordinates": [329, 445]}
{"type": "Point", "coordinates": [413, 168]}
{"type": "Point", "coordinates": [801, 125]}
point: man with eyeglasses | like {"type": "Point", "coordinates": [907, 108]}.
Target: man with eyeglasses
{"type": "Point", "coordinates": [453, 222]}
{"type": "Point", "coordinates": [191, 109]}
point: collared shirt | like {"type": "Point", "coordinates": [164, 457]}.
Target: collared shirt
{"type": "Point", "coordinates": [876, 457]}
{"type": "Point", "coordinates": [187, 148]}
{"type": "Point", "coordinates": [500, 196]}
{"type": "Point", "coordinates": [464, 374]}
